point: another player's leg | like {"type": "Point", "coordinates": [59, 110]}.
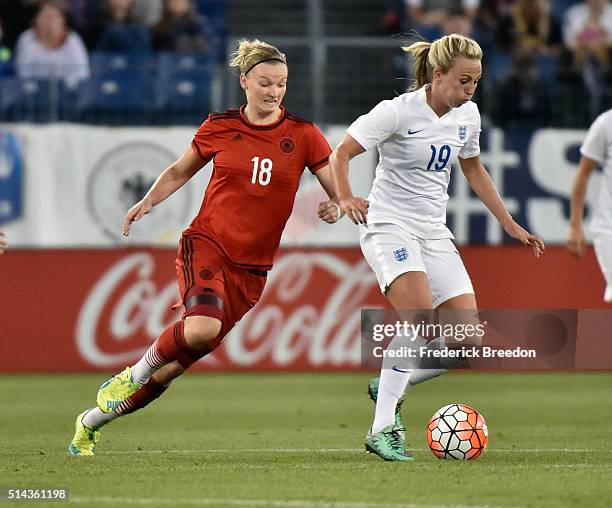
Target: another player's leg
{"type": "Point", "coordinates": [603, 250]}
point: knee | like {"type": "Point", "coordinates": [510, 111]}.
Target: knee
{"type": "Point", "coordinates": [201, 331]}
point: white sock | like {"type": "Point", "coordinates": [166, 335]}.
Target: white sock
{"type": "Point", "coordinates": [420, 375]}
{"type": "Point", "coordinates": [391, 388]}
{"type": "Point", "coordinates": [147, 366]}
{"type": "Point", "coordinates": [96, 418]}
{"type": "Point", "coordinates": [394, 377]}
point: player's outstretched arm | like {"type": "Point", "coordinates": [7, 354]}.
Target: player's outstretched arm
{"type": "Point", "coordinates": [356, 208]}
{"type": "Point", "coordinates": [483, 186]}
{"type": "Point", "coordinates": [2, 242]}
{"type": "Point", "coordinates": [172, 178]}
{"type": "Point", "coordinates": [576, 241]}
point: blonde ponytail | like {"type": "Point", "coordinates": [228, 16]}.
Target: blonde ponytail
{"type": "Point", "coordinates": [440, 54]}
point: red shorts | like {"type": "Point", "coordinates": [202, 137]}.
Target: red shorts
{"type": "Point", "coordinates": [210, 285]}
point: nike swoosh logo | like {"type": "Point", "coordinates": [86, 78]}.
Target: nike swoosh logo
{"type": "Point", "coordinates": [397, 369]}
{"type": "Point", "coordinates": [410, 131]}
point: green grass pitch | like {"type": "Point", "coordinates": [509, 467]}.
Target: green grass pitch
{"type": "Point", "coordinates": [296, 441]}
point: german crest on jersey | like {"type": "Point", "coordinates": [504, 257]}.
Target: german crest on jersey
{"type": "Point", "coordinates": [287, 145]}
{"type": "Point", "coordinates": [462, 132]}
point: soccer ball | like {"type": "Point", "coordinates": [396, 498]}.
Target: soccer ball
{"type": "Point", "coordinates": [457, 431]}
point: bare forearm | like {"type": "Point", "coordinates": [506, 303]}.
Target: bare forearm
{"type": "Point", "coordinates": [166, 184]}
{"type": "Point", "coordinates": [325, 179]}
{"type": "Point", "coordinates": [483, 186]}
{"type": "Point", "coordinates": [577, 200]}
{"type": "Point", "coordinates": [339, 165]}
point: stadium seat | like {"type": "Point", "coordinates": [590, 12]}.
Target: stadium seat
{"type": "Point", "coordinates": [31, 100]}
{"type": "Point", "coordinates": [215, 10]}
{"type": "Point", "coordinates": [184, 97]}
{"type": "Point", "coordinates": [116, 99]}
{"type": "Point", "coordinates": [105, 63]}
{"type": "Point", "coordinates": [170, 63]}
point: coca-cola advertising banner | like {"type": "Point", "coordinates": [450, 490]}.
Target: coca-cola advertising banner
{"type": "Point", "coordinates": [86, 310]}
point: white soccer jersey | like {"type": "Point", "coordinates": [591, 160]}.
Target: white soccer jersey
{"type": "Point", "coordinates": [598, 146]}
{"type": "Point", "coordinates": [416, 149]}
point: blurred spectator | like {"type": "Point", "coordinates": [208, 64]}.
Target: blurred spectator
{"type": "Point", "coordinates": [587, 34]}
{"type": "Point", "coordinates": [587, 31]}
{"type": "Point", "coordinates": [5, 56]}
{"type": "Point", "coordinates": [520, 97]}
{"type": "Point", "coordinates": [49, 49]}
{"type": "Point", "coordinates": [529, 27]}
{"type": "Point", "coordinates": [457, 21]}
{"type": "Point", "coordinates": [393, 16]}
{"type": "Point", "coordinates": [489, 14]}
{"type": "Point", "coordinates": [182, 29]}
{"type": "Point", "coordinates": [427, 16]}
{"type": "Point", "coordinates": [82, 16]}
{"type": "Point", "coordinates": [147, 12]}
{"type": "Point", "coordinates": [121, 32]}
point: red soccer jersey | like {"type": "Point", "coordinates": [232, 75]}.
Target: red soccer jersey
{"type": "Point", "coordinates": [256, 173]}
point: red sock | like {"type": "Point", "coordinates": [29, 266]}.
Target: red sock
{"type": "Point", "coordinates": [171, 345]}
{"type": "Point", "coordinates": [143, 397]}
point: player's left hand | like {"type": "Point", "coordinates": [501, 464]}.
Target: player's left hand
{"type": "Point", "coordinates": [329, 211]}
{"type": "Point", "coordinates": [519, 233]}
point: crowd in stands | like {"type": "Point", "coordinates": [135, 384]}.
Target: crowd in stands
{"type": "Point", "coordinates": [75, 41]}
{"type": "Point", "coordinates": [53, 38]}
{"type": "Point", "coordinates": [538, 53]}
{"type": "Point", "coordinates": [534, 49]}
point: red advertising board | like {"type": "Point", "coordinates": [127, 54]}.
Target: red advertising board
{"type": "Point", "coordinates": [98, 310]}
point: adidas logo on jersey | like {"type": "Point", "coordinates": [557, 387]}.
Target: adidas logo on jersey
{"type": "Point", "coordinates": [237, 137]}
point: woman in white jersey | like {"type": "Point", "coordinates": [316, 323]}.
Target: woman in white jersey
{"type": "Point", "coordinates": [596, 151]}
{"type": "Point", "coordinates": [404, 236]}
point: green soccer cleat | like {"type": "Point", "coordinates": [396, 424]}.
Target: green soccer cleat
{"type": "Point", "coordinates": [373, 393]}
{"type": "Point", "coordinates": [84, 440]}
{"type": "Point", "coordinates": [387, 444]}
{"type": "Point", "coordinates": [117, 389]}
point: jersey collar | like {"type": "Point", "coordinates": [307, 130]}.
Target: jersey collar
{"type": "Point", "coordinates": [266, 126]}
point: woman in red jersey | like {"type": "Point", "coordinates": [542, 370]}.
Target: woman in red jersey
{"type": "Point", "coordinates": [259, 152]}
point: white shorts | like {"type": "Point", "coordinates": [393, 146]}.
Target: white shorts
{"type": "Point", "coordinates": [392, 251]}
{"type": "Point", "coordinates": [603, 250]}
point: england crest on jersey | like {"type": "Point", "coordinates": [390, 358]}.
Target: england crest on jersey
{"type": "Point", "coordinates": [462, 132]}
{"type": "Point", "coordinates": [401, 254]}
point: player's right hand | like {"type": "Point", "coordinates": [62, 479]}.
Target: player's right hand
{"type": "Point", "coordinates": [355, 208]}
{"type": "Point", "coordinates": [136, 213]}
{"type": "Point", "coordinates": [576, 242]}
